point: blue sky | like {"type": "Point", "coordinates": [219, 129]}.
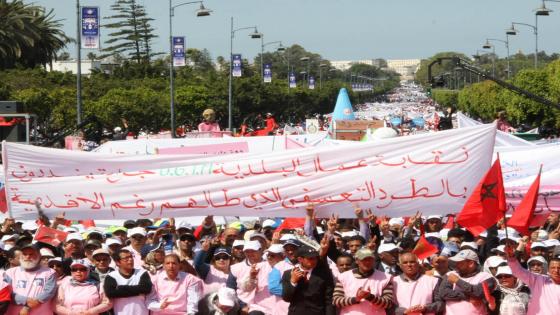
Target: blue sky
{"type": "Point", "coordinates": [345, 29]}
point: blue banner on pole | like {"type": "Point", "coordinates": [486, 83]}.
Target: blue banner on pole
{"type": "Point", "coordinates": [90, 28]}
{"type": "Point", "coordinates": [292, 77]}
{"type": "Point", "coordinates": [267, 72]}
{"type": "Point", "coordinates": [311, 83]}
{"type": "Point", "coordinates": [236, 65]}
{"type": "Point", "coordinates": [178, 51]}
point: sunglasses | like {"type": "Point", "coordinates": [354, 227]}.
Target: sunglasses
{"type": "Point", "coordinates": [79, 269]}
{"type": "Point", "coordinates": [221, 257]}
{"type": "Point", "coordinates": [504, 276]}
{"type": "Point", "coordinates": [137, 237]}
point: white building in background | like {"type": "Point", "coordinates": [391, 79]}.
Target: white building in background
{"type": "Point", "coordinates": [72, 66]}
{"type": "Point", "coordinates": [344, 65]}
{"type": "Point", "coordinates": [405, 67]}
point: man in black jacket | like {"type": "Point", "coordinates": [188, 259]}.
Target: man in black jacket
{"type": "Point", "coordinates": [309, 286]}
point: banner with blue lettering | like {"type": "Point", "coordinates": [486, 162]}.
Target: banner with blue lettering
{"type": "Point", "coordinates": [293, 83]}
{"type": "Point", "coordinates": [236, 64]}
{"type": "Point", "coordinates": [311, 83]}
{"type": "Point", "coordinates": [90, 28]}
{"type": "Point", "coordinates": [267, 72]}
{"type": "Point", "coordinates": [178, 51]}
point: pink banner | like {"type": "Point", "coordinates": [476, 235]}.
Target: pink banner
{"type": "Point", "coordinates": [209, 149]}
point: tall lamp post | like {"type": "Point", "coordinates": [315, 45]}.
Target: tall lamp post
{"type": "Point", "coordinates": [254, 35]}
{"type": "Point", "coordinates": [487, 45]}
{"type": "Point", "coordinates": [541, 11]}
{"type": "Point", "coordinates": [321, 66]}
{"type": "Point", "coordinates": [202, 11]}
{"type": "Point", "coordinates": [306, 76]}
{"type": "Point", "coordinates": [513, 31]}
{"type": "Point", "coordinates": [79, 58]}
{"type": "Point", "coordinates": [263, 45]}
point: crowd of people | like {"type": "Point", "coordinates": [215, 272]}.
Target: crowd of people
{"type": "Point", "coordinates": [364, 265]}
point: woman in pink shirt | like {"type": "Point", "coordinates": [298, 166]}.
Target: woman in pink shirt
{"type": "Point", "coordinates": [79, 295]}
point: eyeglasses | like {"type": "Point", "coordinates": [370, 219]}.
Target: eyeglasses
{"type": "Point", "coordinates": [102, 258]}
{"type": "Point", "coordinates": [126, 258]}
{"type": "Point", "coordinates": [223, 257]}
{"type": "Point", "coordinates": [79, 269]}
{"type": "Point", "coordinates": [503, 276]}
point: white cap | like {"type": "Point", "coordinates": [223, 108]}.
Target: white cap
{"type": "Point", "coordinates": [183, 225]}
{"type": "Point", "coordinates": [471, 245]}
{"type": "Point", "coordinates": [227, 297]}
{"type": "Point", "coordinates": [510, 237]}
{"type": "Point", "coordinates": [136, 230]}
{"type": "Point", "coordinates": [504, 270]}
{"type": "Point", "coordinates": [256, 234]}
{"type": "Point", "coordinates": [74, 237]}
{"type": "Point", "coordinates": [30, 226]}
{"type": "Point", "coordinates": [350, 233]}
{"type": "Point", "coordinates": [70, 229]}
{"type": "Point", "coordinates": [45, 252]}
{"type": "Point", "coordinates": [286, 237]}
{"type": "Point", "coordinates": [95, 230]}
{"type": "Point", "coordinates": [80, 262]}
{"type": "Point", "coordinates": [9, 237]}
{"type": "Point", "coordinates": [386, 247]}
{"type": "Point", "coordinates": [238, 243]}
{"type": "Point", "coordinates": [433, 234]}
{"type": "Point", "coordinates": [537, 258]}
{"type": "Point", "coordinates": [538, 244]}
{"type": "Point", "coordinates": [465, 254]}
{"type": "Point", "coordinates": [252, 245]}
{"type": "Point", "coordinates": [276, 249]}
{"type": "Point", "coordinates": [443, 234]}
{"type": "Point", "coordinates": [551, 243]}
{"type": "Point", "coordinates": [434, 217]}
{"type": "Point", "coordinates": [399, 221]}
{"type": "Point", "coordinates": [500, 248]}
{"type": "Point", "coordinates": [495, 261]}
{"type": "Point", "coordinates": [112, 241]}
{"type": "Point", "coordinates": [268, 223]}
{"type": "Point", "coordinates": [542, 235]}
{"type": "Point", "coordinates": [117, 129]}
{"type": "Point", "coordinates": [483, 234]}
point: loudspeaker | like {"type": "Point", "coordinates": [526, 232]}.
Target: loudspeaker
{"type": "Point", "coordinates": [11, 107]}
{"type": "Point", "coordinates": [15, 133]}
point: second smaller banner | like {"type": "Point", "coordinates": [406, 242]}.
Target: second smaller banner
{"type": "Point", "coordinates": [311, 83]}
{"type": "Point", "coordinates": [267, 72]}
{"type": "Point", "coordinates": [236, 65]}
{"type": "Point", "coordinates": [292, 78]}
{"type": "Point", "coordinates": [178, 51]}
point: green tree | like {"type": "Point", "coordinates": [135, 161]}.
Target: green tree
{"type": "Point", "coordinates": [29, 36]}
{"type": "Point", "coordinates": [131, 32]}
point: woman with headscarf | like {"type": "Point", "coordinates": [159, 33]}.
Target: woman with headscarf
{"type": "Point", "coordinates": [78, 294]}
{"type": "Point", "coordinates": [511, 295]}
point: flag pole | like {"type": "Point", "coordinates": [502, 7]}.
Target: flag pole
{"type": "Point", "coordinates": [505, 218]}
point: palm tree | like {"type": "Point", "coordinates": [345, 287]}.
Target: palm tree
{"type": "Point", "coordinates": [28, 35]}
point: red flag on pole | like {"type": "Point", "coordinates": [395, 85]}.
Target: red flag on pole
{"type": "Point", "coordinates": [50, 236]}
{"type": "Point", "coordinates": [450, 224]}
{"type": "Point", "coordinates": [523, 215]}
{"type": "Point", "coordinates": [423, 248]}
{"type": "Point", "coordinates": [3, 200]}
{"type": "Point", "coordinates": [290, 224]}
{"type": "Point", "coordinates": [487, 204]}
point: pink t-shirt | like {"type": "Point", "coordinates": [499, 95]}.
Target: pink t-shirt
{"type": "Point", "coordinates": [466, 307]}
{"type": "Point", "coordinates": [412, 293]}
{"type": "Point", "coordinates": [182, 293]}
{"type": "Point", "coordinates": [215, 279]}
{"type": "Point", "coordinates": [30, 284]}
{"type": "Point", "coordinates": [374, 283]}
{"type": "Point", "coordinates": [204, 126]}
{"type": "Point", "coordinates": [263, 300]}
{"type": "Point", "coordinates": [241, 271]}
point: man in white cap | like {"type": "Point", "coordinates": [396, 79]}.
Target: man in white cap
{"type": "Point", "coordinates": [363, 290]}
{"type": "Point", "coordinates": [462, 289]}
{"type": "Point", "coordinates": [102, 260]}
{"type": "Point", "coordinates": [33, 285]}
{"type": "Point", "coordinates": [511, 296]}
{"type": "Point", "coordinates": [223, 302]}
{"type": "Point", "coordinates": [137, 237]}
{"type": "Point", "coordinates": [414, 291]}
{"type": "Point", "coordinates": [73, 250]}
{"type": "Point", "coordinates": [388, 257]}
{"type": "Point", "coordinates": [238, 272]}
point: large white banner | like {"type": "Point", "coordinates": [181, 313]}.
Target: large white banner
{"type": "Point", "coordinates": [433, 173]}
{"type": "Point", "coordinates": [503, 139]}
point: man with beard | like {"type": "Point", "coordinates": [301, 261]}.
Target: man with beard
{"type": "Point", "coordinates": [33, 285]}
{"type": "Point", "coordinates": [363, 290]}
{"type": "Point", "coordinates": [414, 291]}
{"type": "Point", "coordinates": [462, 289]}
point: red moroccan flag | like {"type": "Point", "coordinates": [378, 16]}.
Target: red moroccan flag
{"type": "Point", "coordinates": [523, 215]}
{"type": "Point", "coordinates": [3, 200]}
{"type": "Point", "coordinates": [450, 222]}
{"type": "Point", "coordinates": [423, 248]}
{"type": "Point", "coordinates": [290, 224]}
{"type": "Point", "coordinates": [487, 204]}
{"type": "Point", "coordinates": [50, 236]}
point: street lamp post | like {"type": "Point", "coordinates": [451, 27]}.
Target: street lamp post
{"type": "Point", "coordinates": [306, 76]}
{"type": "Point", "coordinates": [513, 31]}
{"type": "Point", "coordinates": [79, 58]}
{"type": "Point", "coordinates": [487, 45]}
{"type": "Point", "coordinates": [321, 66]}
{"type": "Point", "coordinates": [254, 35]}
{"type": "Point", "coordinates": [263, 45]}
{"type": "Point", "coordinates": [540, 11]}
{"type": "Point", "coordinates": [202, 11]}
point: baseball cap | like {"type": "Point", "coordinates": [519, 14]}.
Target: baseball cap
{"type": "Point", "coordinates": [187, 236]}
{"type": "Point", "coordinates": [504, 270]}
{"type": "Point", "coordinates": [79, 262]}
{"type": "Point", "coordinates": [226, 297]}
{"type": "Point", "coordinates": [364, 253]}
{"type": "Point", "coordinates": [183, 225]}
{"type": "Point", "coordinates": [386, 247]}
{"type": "Point", "coordinates": [286, 237]}
{"type": "Point", "coordinates": [465, 254]}
{"type": "Point", "coordinates": [276, 249]}
{"type": "Point", "coordinates": [252, 245]}
{"type": "Point", "coordinates": [95, 243]}
{"type": "Point", "coordinates": [221, 250]}
{"type": "Point", "coordinates": [55, 260]}
{"type": "Point", "coordinates": [136, 231]}
{"type": "Point", "coordinates": [9, 237]}
{"type": "Point", "coordinates": [100, 251]}
{"type": "Point", "coordinates": [255, 235]}
{"type": "Point", "coordinates": [471, 245]}
{"type": "Point", "coordinates": [46, 252]}
{"type": "Point", "coordinates": [537, 258]}
{"type": "Point", "coordinates": [399, 221]}
{"type": "Point", "coordinates": [307, 251]}
{"type": "Point", "coordinates": [495, 261]}
{"type": "Point", "coordinates": [129, 224]}
{"type": "Point", "coordinates": [538, 245]}
{"type": "Point", "coordinates": [238, 243]}
{"type": "Point", "coordinates": [551, 243]}
{"type": "Point", "coordinates": [29, 226]}
{"type": "Point", "coordinates": [500, 248]}
{"type": "Point", "coordinates": [112, 241]}
{"type": "Point", "coordinates": [268, 223]}
{"type": "Point", "coordinates": [439, 217]}
{"type": "Point", "coordinates": [293, 242]}
{"type": "Point", "coordinates": [74, 237]}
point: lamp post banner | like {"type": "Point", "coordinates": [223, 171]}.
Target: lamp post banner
{"type": "Point", "coordinates": [293, 83]}
{"type": "Point", "coordinates": [433, 173]}
{"type": "Point", "coordinates": [267, 72]}
{"type": "Point", "coordinates": [90, 28]}
{"type": "Point", "coordinates": [178, 51]}
{"type": "Point", "coordinates": [311, 83]}
{"type": "Point", "coordinates": [236, 64]}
